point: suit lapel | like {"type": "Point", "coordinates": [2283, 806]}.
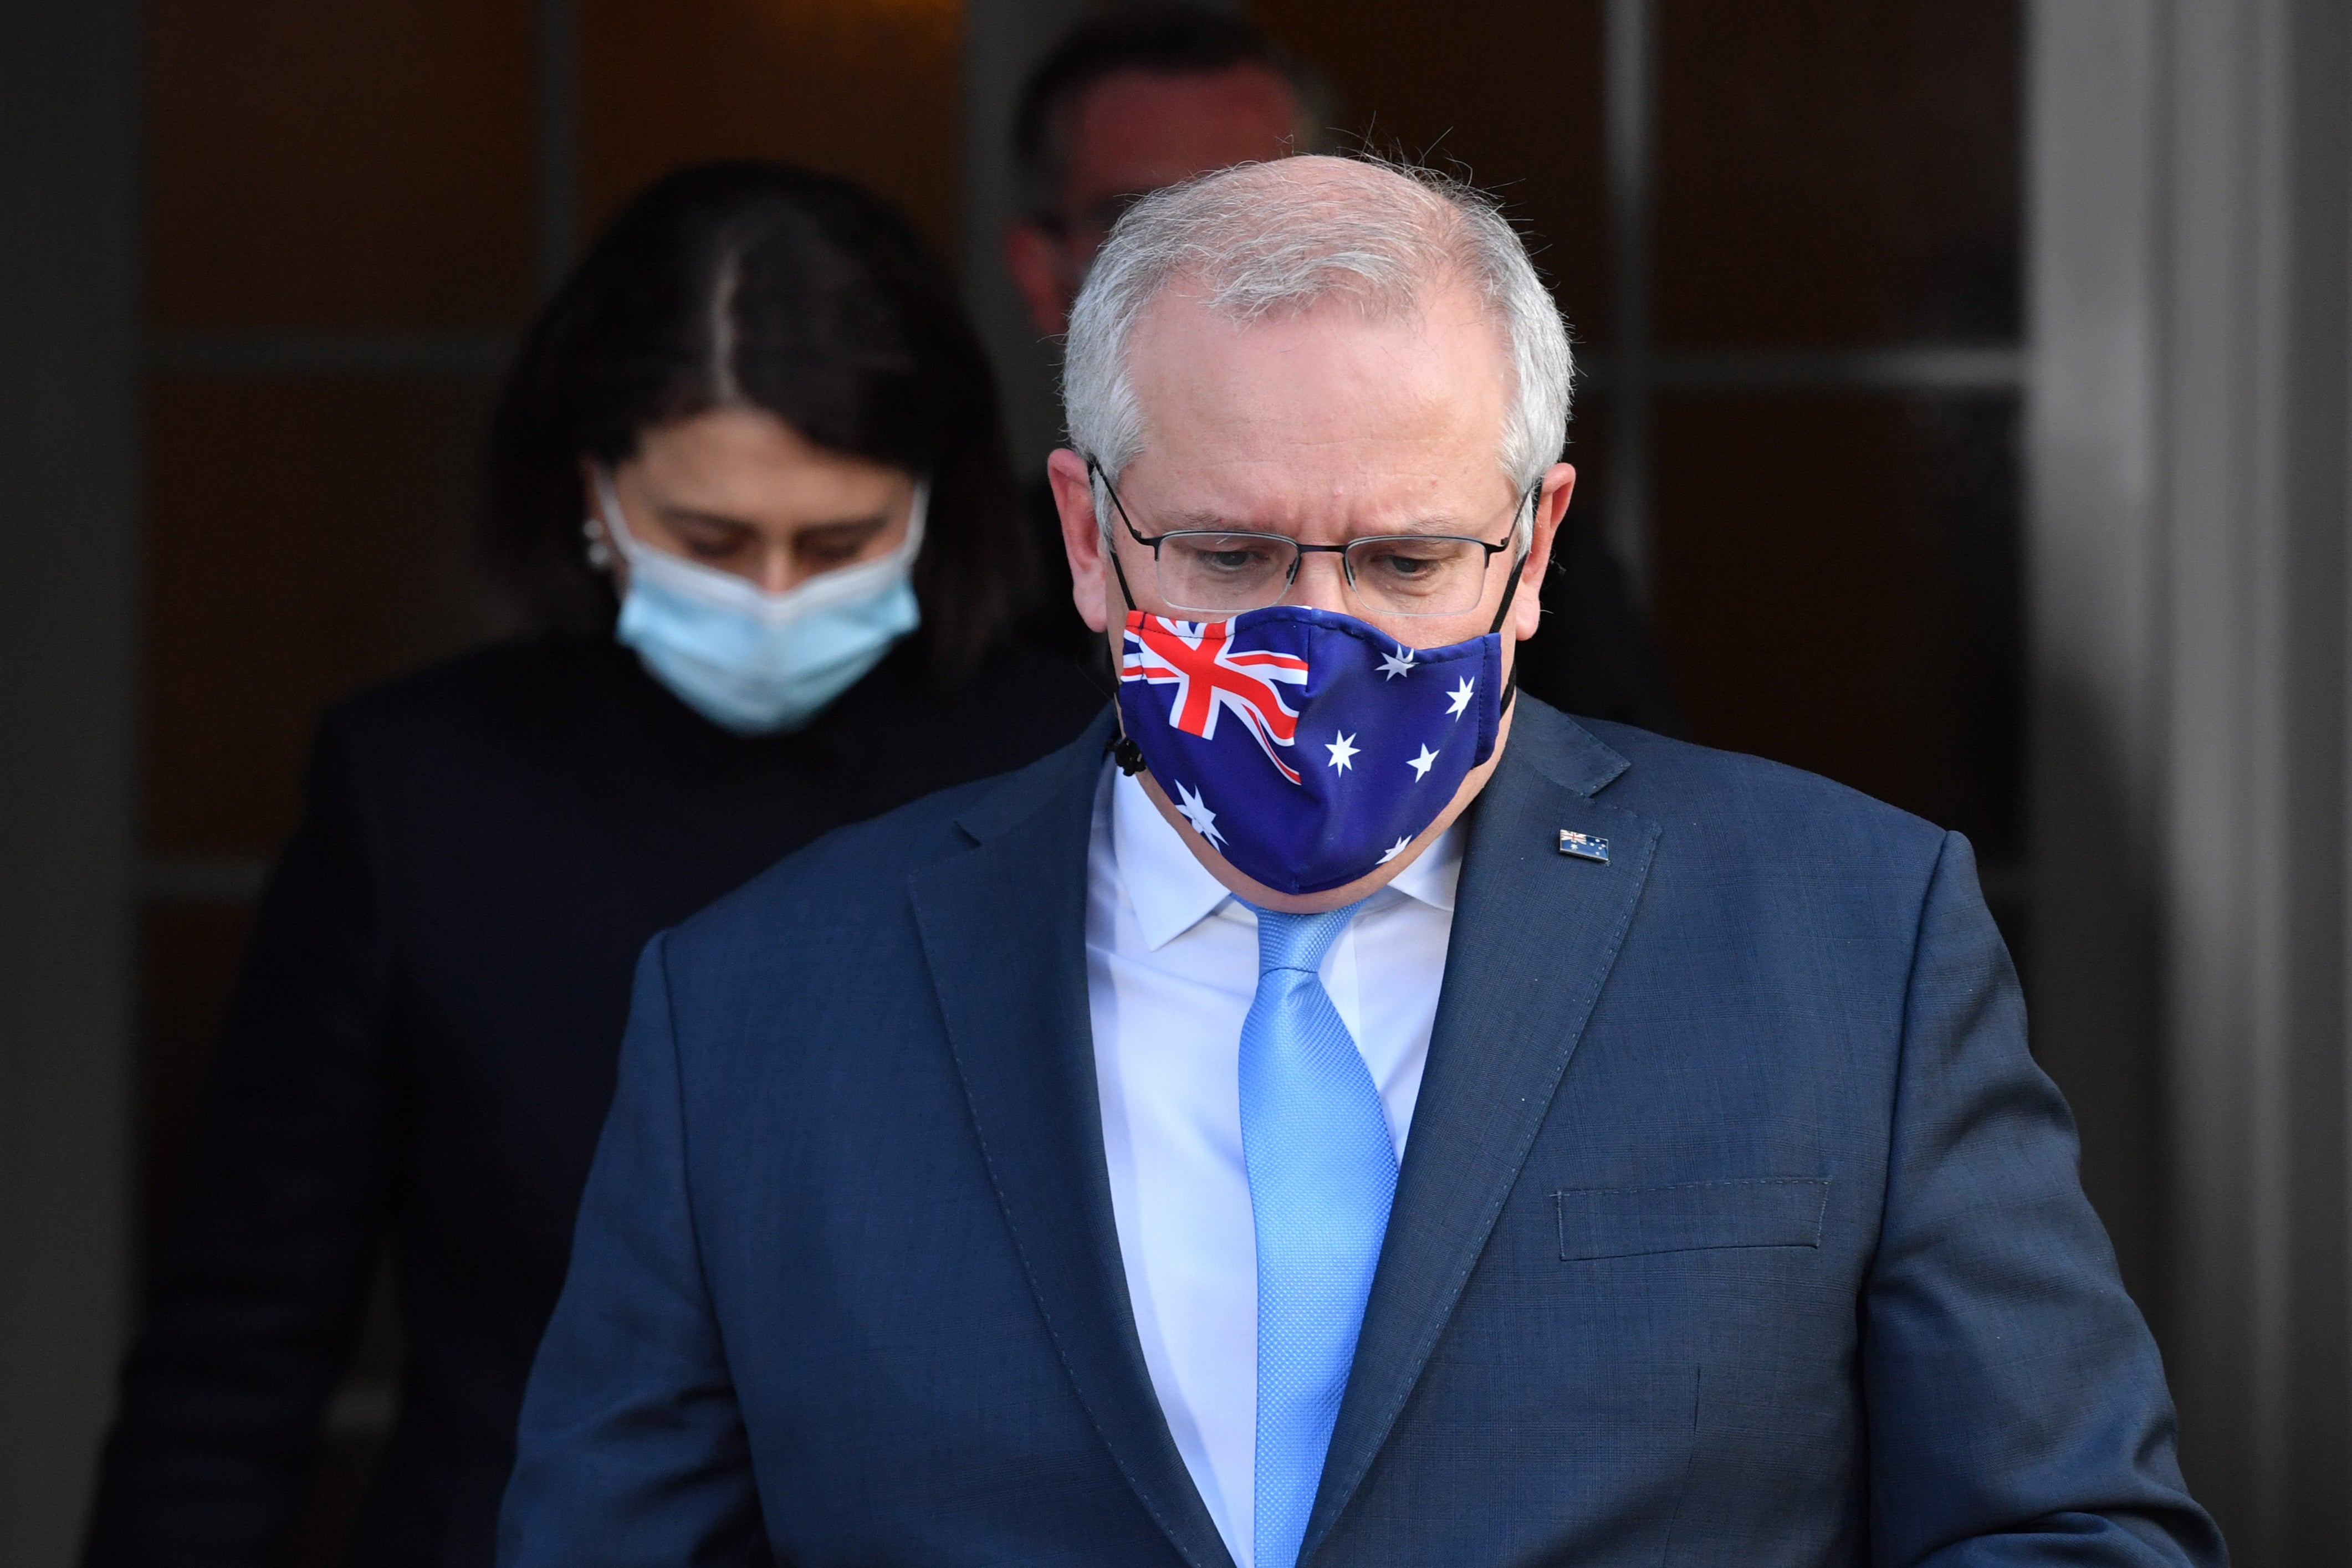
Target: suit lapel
{"type": "Point", "coordinates": [1004, 930]}
{"type": "Point", "coordinates": [1535, 934]}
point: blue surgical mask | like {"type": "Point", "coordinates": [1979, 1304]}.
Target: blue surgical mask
{"type": "Point", "coordinates": [750, 661]}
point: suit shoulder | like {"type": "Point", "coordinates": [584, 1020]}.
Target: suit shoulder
{"type": "Point", "coordinates": [1737, 802]}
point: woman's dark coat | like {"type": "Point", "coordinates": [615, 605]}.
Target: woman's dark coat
{"type": "Point", "coordinates": [423, 1046]}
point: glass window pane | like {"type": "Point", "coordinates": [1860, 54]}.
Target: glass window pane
{"type": "Point", "coordinates": [304, 537]}
{"type": "Point", "coordinates": [1523, 123]}
{"type": "Point", "coordinates": [1838, 588]}
{"type": "Point", "coordinates": [352, 167]}
{"type": "Point", "coordinates": [1832, 174]}
{"type": "Point", "coordinates": [1579, 662]}
{"type": "Point", "coordinates": [866, 91]}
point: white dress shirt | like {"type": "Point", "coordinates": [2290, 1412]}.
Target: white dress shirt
{"type": "Point", "coordinates": [1172, 964]}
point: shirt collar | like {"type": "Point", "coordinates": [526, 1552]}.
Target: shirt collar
{"type": "Point", "coordinates": [1435, 874]}
{"type": "Point", "coordinates": [1172, 892]}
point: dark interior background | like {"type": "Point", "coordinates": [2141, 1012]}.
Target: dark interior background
{"type": "Point", "coordinates": [1831, 523]}
{"type": "Point", "coordinates": [1799, 421]}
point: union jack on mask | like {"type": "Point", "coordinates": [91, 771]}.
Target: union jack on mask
{"type": "Point", "coordinates": [1307, 747]}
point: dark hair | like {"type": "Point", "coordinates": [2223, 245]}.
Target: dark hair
{"type": "Point", "coordinates": [758, 284]}
{"type": "Point", "coordinates": [1161, 40]}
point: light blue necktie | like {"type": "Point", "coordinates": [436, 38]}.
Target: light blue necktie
{"type": "Point", "coordinates": [1322, 1173]}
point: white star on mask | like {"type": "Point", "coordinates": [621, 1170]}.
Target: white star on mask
{"type": "Point", "coordinates": [1397, 663]}
{"type": "Point", "coordinates": [1396, 849]}
{"type": "Point", "coordinates": [1196, 811]}
{"type": "Point", "coordinates": [1459, 696]}
{"type": "Point", "coordinates": [1421, 764]}
{"type": "Point", "coordinates": [1342, 750]}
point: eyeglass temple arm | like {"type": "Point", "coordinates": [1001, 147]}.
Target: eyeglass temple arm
{"type": "Point", "coordinates": [1511, 591]}
{"type": "Point", "coordinates": [1094, 472]}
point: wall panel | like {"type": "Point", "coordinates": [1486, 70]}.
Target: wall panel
{"type": "Point", "coordinates": [1506, 94]}
{"type": "Point", "coordinates": [1838, 588]}
{"type": "Point", "coordinates": [338, 165]}
{"type": "Point", "coordinates": [1836, 174]}
{"type": "Point", "coordinates": [866, 88]}
{"type": "Point", "coordinates": [305, 536]}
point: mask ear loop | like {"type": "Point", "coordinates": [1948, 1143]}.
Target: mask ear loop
{"type": "Point", "coordinates": [1123, 749]}
{"type": "Point", "coordinates": [1502, 611]}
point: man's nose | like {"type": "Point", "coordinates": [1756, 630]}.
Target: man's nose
{"type": "Point", "coordinates": [1321, 583]}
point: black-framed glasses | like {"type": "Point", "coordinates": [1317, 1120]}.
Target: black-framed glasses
{"type": "Point", "coordinates": [1218, 573]}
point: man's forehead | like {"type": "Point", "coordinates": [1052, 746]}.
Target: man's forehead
{"type": "Point", "coordinates": [1329, 414]}
{"type": "Point", "coordinates": [1411, 360]}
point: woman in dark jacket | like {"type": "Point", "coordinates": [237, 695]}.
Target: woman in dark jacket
{"type": "Point", "coordinates": [748, 470]}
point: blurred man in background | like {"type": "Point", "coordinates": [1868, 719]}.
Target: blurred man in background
{"type": "Point", "coordinates": [1128, 103]}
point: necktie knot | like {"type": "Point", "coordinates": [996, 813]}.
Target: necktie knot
{"type": "Point", "coordinates": [1298, 941]}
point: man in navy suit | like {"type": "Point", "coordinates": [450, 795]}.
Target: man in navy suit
{"type": "Point", "coordinates": [1335, 1113]}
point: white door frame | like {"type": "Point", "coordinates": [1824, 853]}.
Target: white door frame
{"type": "Point", "coordinates": [70, 467]}
{"type": "Point", "coordinates": [2190, 193]}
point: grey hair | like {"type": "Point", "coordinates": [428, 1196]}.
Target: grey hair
{"type": "Point", "coordinates": [1259, 238]}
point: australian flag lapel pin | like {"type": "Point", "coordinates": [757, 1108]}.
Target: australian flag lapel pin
{"type": "Point", "coordinates": [1584, 846]}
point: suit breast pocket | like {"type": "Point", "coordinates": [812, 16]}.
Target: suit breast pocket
{"type": "Point", "coordinates": [1691, 1216]}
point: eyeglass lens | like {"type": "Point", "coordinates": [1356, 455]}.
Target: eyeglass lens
{"type": "Point", "coordinates": [1409, 574]}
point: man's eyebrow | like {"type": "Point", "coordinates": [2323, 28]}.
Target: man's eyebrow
{"type": "Point", "coordinates": [1194, 520]}
{"type": "Point", "coordinates": [1406, 527]}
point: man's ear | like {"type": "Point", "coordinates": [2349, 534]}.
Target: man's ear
{"type": "Point", "coordinates": [1551, 506]}
{"type": "Point", "coordinates": [1074, 498]}
{"type": "Point", "coordinates": [1033, 257]}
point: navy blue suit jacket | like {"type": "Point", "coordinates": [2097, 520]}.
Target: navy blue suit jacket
{"type": "Point", "coordinates": [1736, 1227]}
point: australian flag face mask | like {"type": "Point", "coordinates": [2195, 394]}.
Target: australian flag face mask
{"type": "Point", "coordinates": [1310, 748]}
